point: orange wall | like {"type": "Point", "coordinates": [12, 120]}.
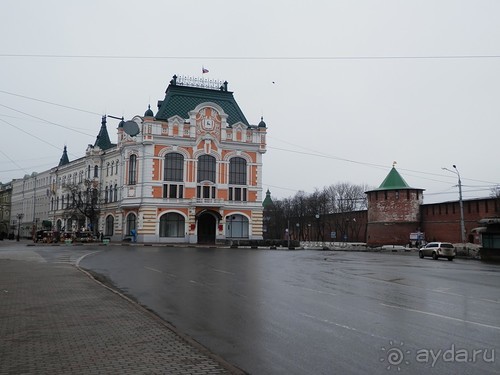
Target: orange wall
{"type": "Point", "coordinates": [157, 192]}
{"type": "Point", "coordinates": [156, 170]}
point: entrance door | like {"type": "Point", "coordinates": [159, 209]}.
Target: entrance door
{"type": "Point", "coordinates": [206, 228]}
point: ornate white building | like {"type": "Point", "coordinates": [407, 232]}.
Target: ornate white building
{"type": "Point", "coordinates": [191, 173]}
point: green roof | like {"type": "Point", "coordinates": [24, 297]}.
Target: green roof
{"type": "Point", "coordinates": [180, 100]}
{"type": "Point", "coordinates": [64, 158]}
{"type": "Point", "coordinates": [102, 140]}
{"type": "Point", "coordinates": [268, 202]}
{"type": "Point", "coordinates": [393, 181]}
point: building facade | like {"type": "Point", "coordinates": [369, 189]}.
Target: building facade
{"type": "Point", "coordinates": [5, 207]}
{"type": "Point", "coordinates": [191, 173]}
{"type": "Point", "coordinates": [393, 211]}
{"type": "Point", "coordinates": [30, 208]}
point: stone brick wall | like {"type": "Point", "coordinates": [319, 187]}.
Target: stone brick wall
{"type": "Point", "coordinates": [441, 221]}
{"type": "Point", "coordinates": [392, 216]}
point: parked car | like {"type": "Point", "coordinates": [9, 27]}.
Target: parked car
{"type": "Point", "coordinates": [437, 250]}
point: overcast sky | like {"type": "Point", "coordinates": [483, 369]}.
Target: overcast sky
{"type": "Point", "coordinates": [346, 87]}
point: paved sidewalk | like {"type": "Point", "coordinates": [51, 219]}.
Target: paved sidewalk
{"type": "Point", "coordinates": [55, 320]}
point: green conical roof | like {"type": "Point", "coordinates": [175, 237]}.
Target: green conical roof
{"type": "Point", "coordinates": [393, 181]}
{"type": "Point", "coordinates": [102, 140]}
{"type": "Point", "coordinates": [64, 158]}
{"type": "Point", "coordinates": [267, 201]}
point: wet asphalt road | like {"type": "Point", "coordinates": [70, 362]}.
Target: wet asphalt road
{"type": "Point", "coordinates": [315, 312]}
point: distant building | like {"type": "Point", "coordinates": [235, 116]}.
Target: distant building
{"type": "Point", "coordinates": [396, 215]}
{"type": "Point", "coordinates": [30, 203]}
{"type": "Point", "coordinates": [5, 208]}
{"type": "Point", "coordinates": [393, 211]}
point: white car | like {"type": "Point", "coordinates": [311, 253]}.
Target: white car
{"type": "Point", "coordinates": [437, 250]}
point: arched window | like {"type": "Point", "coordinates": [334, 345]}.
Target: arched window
{"type": "Point", "coordinates": [107, 169]}
{"type": "Point", "coordinates": [172, 225]}
{"type": "Point", "coordinates": [112, 167]}
{"type": "Point", "coordinates": [106, 195]}
{"type": "Point", "coordinates": [115, 193]}
{"type": "Point", "coordinates": [132, 170]}
{"type": "Point", "coordinates": [238, 171]}
{"type": "Point", "coordinates": [206, 168]}
{"type": "Point", "coordinates": [174, 167]}
{"type": "Point", "coordinates": [237, 226]}
{"type": "Point", "coordinates": [96, 171]}
{"type": "Point", "coordinates": [88, 172]}
{"type": "Point", "coordinates": [110, 224]}
{"type": "Point", "coordinates": [131, 223]}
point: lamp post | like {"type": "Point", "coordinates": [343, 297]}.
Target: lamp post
{"type": "Point", "coordinates": [317, 222]}
{"type": "Point", "coordinates": [462, 222]}
{"type": "Point", "coordinates": [19, 218]}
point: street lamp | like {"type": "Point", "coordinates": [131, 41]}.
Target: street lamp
{"type": "Point", "coordinates": [317, 222]}
{"type": "Point", "coordinates": [19, 218]}
{"type": "Point", "coordinates": [462, 223]}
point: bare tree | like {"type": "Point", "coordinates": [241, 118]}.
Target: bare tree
{"type": "Point", "coordinates": [314, 216]}
{"type": "Point", "coordinates": [83, 200]}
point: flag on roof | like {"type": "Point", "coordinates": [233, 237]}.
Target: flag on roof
{"type": "Point", "coordinates": [204, 70]}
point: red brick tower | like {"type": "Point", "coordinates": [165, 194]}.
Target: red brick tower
{"type": "Point", "coordinates": [393, 211]}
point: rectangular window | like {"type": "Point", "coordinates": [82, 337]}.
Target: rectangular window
{"type": "Point", "coordinates": [237, 194]}
{"type": "Point", "coordinates": [132, 170]}
{"type": "Point", "coordinates": [206, 168]}
{"type": "Point", "coordinates": [206, 192]}
{"type": "Point", "coordinates": [174, 167]}
{"type": "Point", "coordinates": [173, 191]}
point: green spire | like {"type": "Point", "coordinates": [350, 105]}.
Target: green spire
{"type": "Point", "coordinates": [267, 201]}
{"type": "Point", "coordinates": [102, 140]}
{"type": "Point", "coordinates": [393, 181]}
{"type": "Point", "coordinates": [64, 158]}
